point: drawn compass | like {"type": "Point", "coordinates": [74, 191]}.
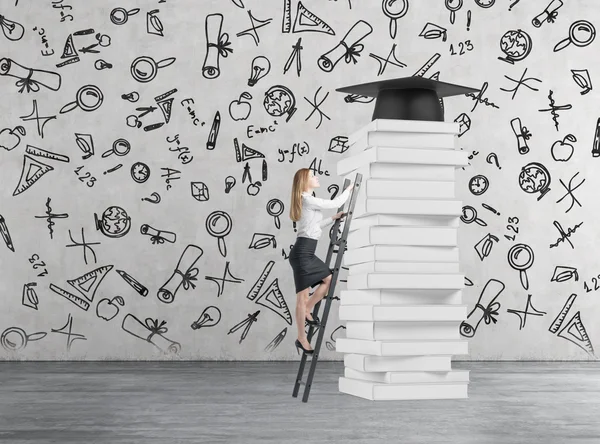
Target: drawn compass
{"type": "Point", "coordinates": [140, 172]}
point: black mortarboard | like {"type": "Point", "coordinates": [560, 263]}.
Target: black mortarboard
{"type": "Point", "coordinates": [408, 98]}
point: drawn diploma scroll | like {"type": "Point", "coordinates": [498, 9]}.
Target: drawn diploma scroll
{"type": "Point", "coordinates": [485, 308]}
{"type": "Point", "coordinates": [151, 331]}
{"type": "Point", "coordinates": [29, 78]}
{"type": "Point", "coordinates": [348, 48]}
{"type": "Point", "coordinates": [216, 45]}
{"type": "Point", "coordinates": [184, 274]}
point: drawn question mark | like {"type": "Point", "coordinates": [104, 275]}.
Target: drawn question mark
{"type": "Point", "coordinates": [155, 198]}
{"type": "Point", "coordinates": [333, 187]}
{"type": "Point", "coordinates": [493, 156]}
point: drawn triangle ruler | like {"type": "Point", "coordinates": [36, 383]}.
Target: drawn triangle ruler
{"type": "Point", "coordinates": [69, 49]}
{"type": "Point", "coordinates": [307, 21]}
{"type": "Point", "coordinates": [30, 173]}
{"type": "Point", "coordinates": [575, 332]}
{"type": "Point", "coordinates": [275, 301]}
{"type": "Point", "coordinates": [166, 106]}
{"type": "Point", "coordinates": [246, 152]}
{"type": "Point", "coordinates": [88, 283]}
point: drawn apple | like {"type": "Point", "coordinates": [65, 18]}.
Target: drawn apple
{"type": "Point", "coordinates": [240, 109]}
{"type": "Point", "coordinates": [107, 309]}
{"type": "Point", "coordinates": [9, 139]}
{"type": "Point", "coordinates": [562, 151]}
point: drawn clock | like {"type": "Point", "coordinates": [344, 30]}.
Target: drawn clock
{"type": "Point", "coordinates": [140, 172]}
{"type": "Point", "coordinates": [478, 185]}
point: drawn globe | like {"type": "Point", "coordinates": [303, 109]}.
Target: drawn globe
{"type": "Point", "coordinates": [278, 101]}
{"type": "Point", "coordinates": [115, 222]}
{"type": "Point", "coordinates": [516, 44]}
{"type": "Point", "coordinates": [533, 178]}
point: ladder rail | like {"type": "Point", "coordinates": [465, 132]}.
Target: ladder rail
{"type": "Point", "coordinates": [320, 329]}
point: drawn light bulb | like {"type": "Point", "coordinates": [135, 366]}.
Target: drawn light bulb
{"type": "Point", "coordinates": [209, 318]}
{"type": "Point", "coordinates": [260, 68]}
{"type": "Point", "coordinates": [229, 183]}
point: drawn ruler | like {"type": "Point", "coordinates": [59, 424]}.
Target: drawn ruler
{"type": "Point", "coordinates": [421, 72]}
{"type": "Point", "coordinates": [81, 303]}
{"type": "Point", "coordinates": [286, 23]}
{"type": "Point", "coordinates": [562, 315]}
{"type": "Point", "coordinates": [35, 151]}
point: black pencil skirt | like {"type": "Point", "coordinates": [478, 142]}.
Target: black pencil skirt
{"type": "Point", "coordinates": [309, 270]}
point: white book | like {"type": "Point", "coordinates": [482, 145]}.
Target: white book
{"type": "Point", "coordinates": [405, 267]}
{"type": "Point", "coordinates": [403, 140]}
{"type": "Point", "coordinates": [375, 391]}
{"type": "Point", "coordinates": [399, 253]}
{"type": "Point", "coordinates": [367, 281]}
{"type": "Point", "coordinates": [403, 331]}
{"type": "Point", "coordinates": [403, 220]}
{"type": "Point", "coordinates": [415, 207]}
{"type": "Point", "coordinates": [402, 348]}
{"type": "Point", "coordinates": [400, 297]}
{"type": "Point", "coordinates": [402, 155]}
{"type": "Point", "coordinates": [366, 363]}
{"type": "Point", "coordinates": [405, 126]}
{"type": "Point", "coordinates": [399, 171]}
{"type": "Point", "coordinates": [402, 313]}
{"type": "Point", "coordinates": [407, 189]}
{"type": "Point", "coordinates": [418, 236]}
{"type": "Point", "coordinates": [421, 377]}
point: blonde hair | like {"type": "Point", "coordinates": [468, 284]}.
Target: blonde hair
{"type": "Point", "coordinates": [299, 185]}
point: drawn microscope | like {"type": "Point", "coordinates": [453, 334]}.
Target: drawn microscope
{"type": "Point", "coordinates": [522, 135]}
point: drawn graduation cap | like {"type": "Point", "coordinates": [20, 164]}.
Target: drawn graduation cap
{"type": "Point", "coordinates": [408, 98]}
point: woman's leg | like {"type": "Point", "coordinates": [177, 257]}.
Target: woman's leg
{"type": "Point", "coordinates": [319, 294]}
{"type": "Point", "coordinates": [300, 316]}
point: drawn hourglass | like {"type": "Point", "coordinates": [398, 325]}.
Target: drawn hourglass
{"type": "Point", "coordinates": [394, 9]}
{"type": "Point", "coordinates": [453, 6]}
{"type": "Point", "coordinates": [144, 68]}
{"type": "Point", "coordinates": [273, 203]}
{"type": "Point", "coordinates": [211, 221]}
{"type": "Point", "coordinates": [520, 257]}
{"type": "Point", "coordinates": [85, 92]}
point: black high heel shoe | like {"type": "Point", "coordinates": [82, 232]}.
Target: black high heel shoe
{"type": "Point", "coordinates": [299, 345]}
{"type": "Point", "coordinates": [315, 320]}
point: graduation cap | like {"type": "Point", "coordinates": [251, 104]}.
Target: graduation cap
{"type": "Point", "coordinates": [408, 98]}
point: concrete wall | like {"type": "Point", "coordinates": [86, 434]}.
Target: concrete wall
{"type": "Point", "coordinates": [108, 113]}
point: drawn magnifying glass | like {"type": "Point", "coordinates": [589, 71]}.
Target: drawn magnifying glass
{"type": "Point", "coordinates": [15, 338]}
{"type": "Point", "coordinates": [274, 203]}
{"type": "Point", "coordinates": [453, 6]}
{"type": "Point", "coordinates": [120, 147]}
{"type": "Point", "coordinates": [211, 221]}
{"type": "Point", "coordinates": [469, 215]}
{"type": "Point", "coordinates": [144, 69]}
{"type": "Point", "coordinates": [581, 33]}
{"type": "Point", "coordinates": [87, 93]}
{"type": "Point", "coordinates": [520, 257]}
{"type": "Point", "coordinates": [394, 9]}
{"type": "Point", "coordinates": [119, 16]}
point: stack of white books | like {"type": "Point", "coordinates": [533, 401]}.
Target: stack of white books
{"type": "Point", "coordinates": [403, 305]}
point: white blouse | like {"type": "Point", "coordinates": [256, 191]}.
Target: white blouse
{"type": "Point", "coordinates": [311, 219]}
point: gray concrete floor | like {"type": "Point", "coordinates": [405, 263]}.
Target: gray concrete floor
{"type": "Point", "coordinates": [251, 402]}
